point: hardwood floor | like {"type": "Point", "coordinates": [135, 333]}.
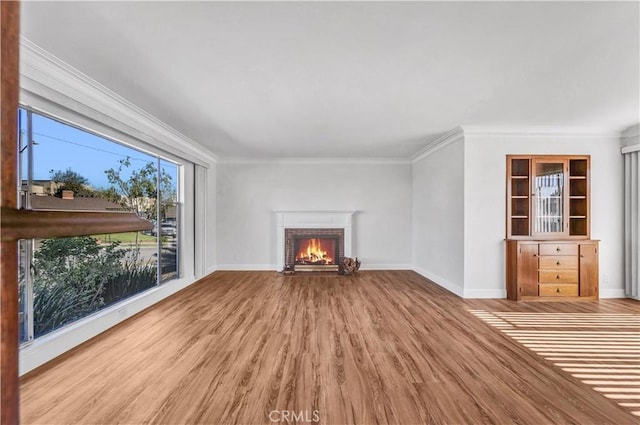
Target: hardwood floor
{"type": "Point", "coordinates": [382, 347]}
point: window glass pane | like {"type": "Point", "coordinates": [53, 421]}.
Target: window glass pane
{"type": "Point", "coordinates": [23, 164]}
{"type": "Point", "coordinates": [169, 209]}
{"type": "Point", "coordinates": [82, 166]}
{"type": "Point", "coordinates": [23, 249]}
{"type": "Point", "coordinates": [74, 277]}
{"type": "Point", "coordinates": [548, 202]}
{"type": "Point", "coordinates": [65, 279]}
{"type": "Point", "coordinates": [23, 269]}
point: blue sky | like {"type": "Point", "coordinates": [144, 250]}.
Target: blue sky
{"type": "Point", "coordinates": [59, 146]}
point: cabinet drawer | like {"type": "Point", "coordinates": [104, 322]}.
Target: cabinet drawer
{"type": "Point", "coordinates": [558, 289]}
{"type": "Point", "coordinates": [558, 262]}
{"type": "Point", "coordinates": [549, 276]}
{"type": "Point", "coordinates": [558, 249]}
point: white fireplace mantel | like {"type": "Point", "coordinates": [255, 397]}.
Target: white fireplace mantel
{"type": "Point", "coordinates": [312, 220]}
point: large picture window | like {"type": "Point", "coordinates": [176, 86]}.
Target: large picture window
{"type": "Point", "coordinates": [65, 168]}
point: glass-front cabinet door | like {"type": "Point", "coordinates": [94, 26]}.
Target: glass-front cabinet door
{"type": "Point", "coordinates": [549, 206]}
{"type": "Point", "coordinates": [548, 196]}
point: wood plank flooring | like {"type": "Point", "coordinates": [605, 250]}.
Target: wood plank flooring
{"type": "Point", "coordinates": [381, 347]}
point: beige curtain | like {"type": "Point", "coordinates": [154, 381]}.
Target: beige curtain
{"type": "Point", "coordinates": [632, 220]}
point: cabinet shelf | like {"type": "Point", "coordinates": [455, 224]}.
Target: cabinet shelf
{"type": "Point", "coordinates": [548, 196]}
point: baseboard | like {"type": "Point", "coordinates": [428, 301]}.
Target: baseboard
{"type": "Point", "coordinates": [485, 293]}
{"type": "Point", "coordinates": [386, 267]}
{"type": "Point", "coordinates": [248, 267]}
{"type": "Point", "coordinates": [440, 281]}
{"type": "Point", "coordinates": [612, 293]}
{"type": "Point", "coordinates": [261, 267]}
{"type": "Point", "coordinates": [50, 346]}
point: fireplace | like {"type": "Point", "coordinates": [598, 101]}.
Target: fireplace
{"type": "Point", "coordinates": [314, 249]}
{"type": "Point", "coordinates": [331, 231]}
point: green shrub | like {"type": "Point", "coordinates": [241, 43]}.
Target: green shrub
{"type": "Point", "coordinates": [74, 277]}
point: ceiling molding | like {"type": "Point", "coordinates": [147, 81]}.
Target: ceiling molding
{"type": "Point", "coordinates": [541, 131]}
{"type": "Point", "coordinates": [43, 75]}
{"type": "Point", "coordinates": [314, 161]}
{"type": "Point", "coordinates": [442, 141]}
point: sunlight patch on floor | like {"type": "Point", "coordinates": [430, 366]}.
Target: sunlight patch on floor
{"type": "Point", "coordinates": [578, 343]}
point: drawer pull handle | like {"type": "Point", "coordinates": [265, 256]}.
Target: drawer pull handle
{"type": "Point", "coordinates": [558, 249]}
{"type": "Point", "coordinates": [557, 263]}
{"type": "Point", "coordinates": [557, 276]}
{"type": "Point", "coordinates": [558, 290]}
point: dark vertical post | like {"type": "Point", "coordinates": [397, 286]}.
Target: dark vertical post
{"type": "Point", "coordinates": [9, 86]}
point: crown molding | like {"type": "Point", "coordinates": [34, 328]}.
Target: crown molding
{"type": "Point", "coordinates": [541, 131]}
{"type": "Point", "coordinates": [314, 161]}
{"type": "Point", "coordinates": [44, 75]}
{"type": "Point", "coordinates": [442, 141]}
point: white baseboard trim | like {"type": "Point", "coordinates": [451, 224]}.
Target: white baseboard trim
{"type": "Point", "coordinates": [48, 347]}
{"type": "Point", "coordinates": [485, 293]}
{"type": "Point", "coordinates": [440, 281]}
{"type": "Point", "coordinates": [386, 267]}
{"type": "Point", "coordinates": [612, 293]}
{"type": "Point", "coordinates": [247, 267]}
{"type": "Point", "coordinates": [262, 267]}
{"type": "Point", "coordinates": [210, 270]}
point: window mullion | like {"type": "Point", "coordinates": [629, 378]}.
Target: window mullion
{"type": "Point", "coordinates": [158, 224]}
{"type": "Point", "coordinates": [29, 244]}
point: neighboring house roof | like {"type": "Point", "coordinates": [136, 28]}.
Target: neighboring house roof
{"type": "Point", "coordinates": [76, 204]}
{"type": "Point", "coordinates": [170, 212]}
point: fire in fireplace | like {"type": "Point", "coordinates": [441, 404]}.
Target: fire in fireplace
{"type": "Point", "coordinates": [309, 249]}
{"type": "Point", "coordinates": [315, 251]}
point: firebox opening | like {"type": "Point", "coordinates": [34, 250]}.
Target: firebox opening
{"type": "Point", "coordinates": [315, 251]}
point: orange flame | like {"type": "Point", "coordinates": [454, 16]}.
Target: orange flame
{"type": "Point", "coordinates": [314, 252]}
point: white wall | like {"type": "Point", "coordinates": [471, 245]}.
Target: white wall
{"type": "Point", "coordinates": [485, 171]}
{"type": "Point", "coordinates": [249, 193]}
{"type": "Point", "coordinates": [438, 216]}
{"type": "Point", "coordinates": [631, 136]}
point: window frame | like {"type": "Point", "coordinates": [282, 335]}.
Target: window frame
{"type": "Point", "coordinates": [159, 157]}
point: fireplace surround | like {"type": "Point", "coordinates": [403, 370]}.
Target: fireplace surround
{"type": "Point", "coordinates": [329, 226]}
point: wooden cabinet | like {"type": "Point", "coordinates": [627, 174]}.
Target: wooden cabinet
{"type": "Point", "coordinates": [548, 196]}
{"type": "Point", "coordinates": [552, 270]}
{"type": "Point", "coordinates": [549, 253]}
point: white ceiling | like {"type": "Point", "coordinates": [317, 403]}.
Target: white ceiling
{"type": "Point", "coordinates": [373, 79]}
